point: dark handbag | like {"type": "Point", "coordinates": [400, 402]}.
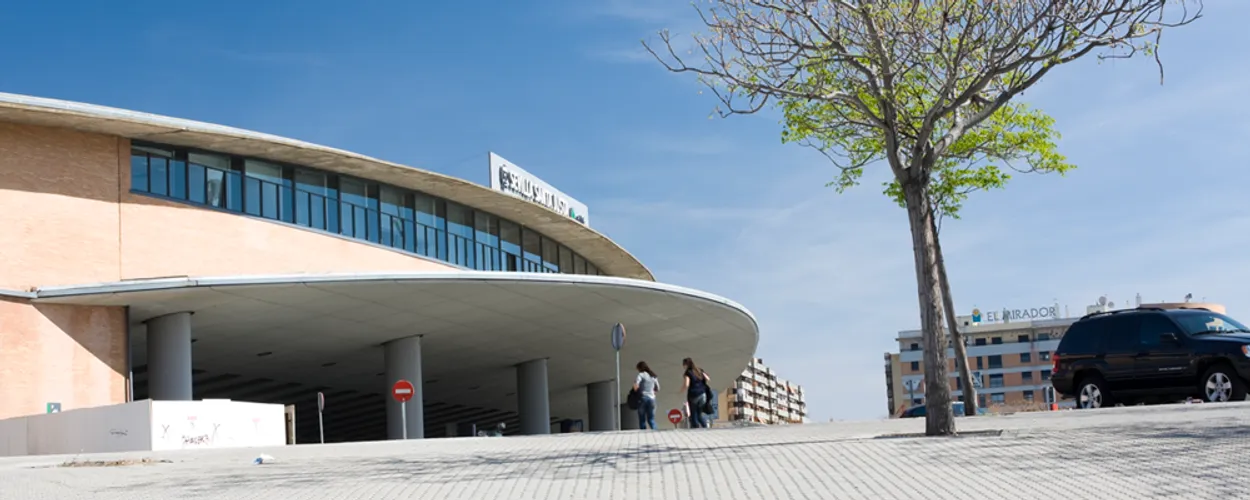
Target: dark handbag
{"type": "Point", "coordinates": [708, 406]}
{"type": "Point", "coordinates": [633, 400]}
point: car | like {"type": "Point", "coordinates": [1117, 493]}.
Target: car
{"type": "Point", "coordinates": [957, 407]}
{"type": "Point", "coordinates": [1152, 354]}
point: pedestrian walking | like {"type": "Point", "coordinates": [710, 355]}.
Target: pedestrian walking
{"type": "Point", "coordinates": [646, 384]}
{"type": "Point", "coordinates": [698, 391]}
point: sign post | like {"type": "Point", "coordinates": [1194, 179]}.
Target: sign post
{"type": "Point", "coordinates": [674, 416]}
{"type": "Point", "coordinates": [402, 392]}
{"type": "Point", "coordinates": [321, 407]}
{"type": "Point", "coordinates": [618, 341]}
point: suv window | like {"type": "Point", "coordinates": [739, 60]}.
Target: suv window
{"type": "Point", "coordinates": [1197, 322]}
{"type": "Point", "coordinates": [1082, 338]}
{"type": "Point", "coordinates": [1121, 332]}
{"type": "Point", "coordinates": [1151, 327]}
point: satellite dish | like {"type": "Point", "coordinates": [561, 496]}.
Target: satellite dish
{"type": "Point", "coordinates": [1111, 305]}
{"type": "Point", "coordinates": [1102, 301]}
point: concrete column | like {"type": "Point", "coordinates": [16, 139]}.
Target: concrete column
{"type": "Point", "coordinates": [599, 402]}
{"type": "Point", "coordinates": [169, 357]}
{"type": "Point", "coordinates": [533, 401]}
{"type": "Point", "coordinates": [403, 361]}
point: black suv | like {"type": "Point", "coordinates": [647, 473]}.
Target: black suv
{"type": "Point", "coordinates": [1152, 355]}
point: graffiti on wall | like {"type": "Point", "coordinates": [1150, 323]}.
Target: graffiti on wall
{"type": "Point", "coordinates": [215, 425]}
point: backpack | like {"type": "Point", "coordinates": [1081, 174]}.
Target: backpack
{"type": "Point", "coordinates": [634, 399]}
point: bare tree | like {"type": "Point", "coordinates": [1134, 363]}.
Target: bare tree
{"type": "Point", "coordinates": [917, 84]}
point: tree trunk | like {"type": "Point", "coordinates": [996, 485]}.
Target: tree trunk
{"type": "Point", "coordinates": [952, 326]}
{"type": "Point", "coordinates": [939, 416]}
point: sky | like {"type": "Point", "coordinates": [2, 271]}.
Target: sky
{"type": "Point", "coordinates": [563, 88]}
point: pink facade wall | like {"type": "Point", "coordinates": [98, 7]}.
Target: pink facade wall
{"type": "Point", "coordinates": [51, 353]}
{"type": "Point", "coordinates": [65, 202]}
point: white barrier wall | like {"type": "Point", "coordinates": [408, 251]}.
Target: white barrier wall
{"type": "Point", "coordinates": [145, 426]}
{"type": "Point", "coordinates": [177, 425]}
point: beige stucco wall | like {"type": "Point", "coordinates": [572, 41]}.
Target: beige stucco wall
{"type": "Point", "coordinates": [73, 355]}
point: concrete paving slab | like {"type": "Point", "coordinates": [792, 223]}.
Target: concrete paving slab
{"type": "Point", "coordinates": [1177, 451]}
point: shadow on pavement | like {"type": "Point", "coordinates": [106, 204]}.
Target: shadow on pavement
{"type": "Point", "coordinates": [1171, 462]}
{"type": "Point", "coordinates": [440, 468]}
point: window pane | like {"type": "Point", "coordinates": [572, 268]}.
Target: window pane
{"type": "Point", "coordinates": [158, 171]}
{"type": "Point", "coordinates": [234, 191]}
{"type": "Point", "coordinates": [219, 162]}
{"type": "Point", "coordinates": [139, 172]}
{"type": "Point", "coordinates": [566, 259]}
{"type": "Point", "coordinates": [263, 170]}
{"type": "Point", "coordinates": [312, 190]}
{"type": "Point", "coordinates": [579, 264]}
{"type": "Point", "coordinates": [510, 244]}
{"type": "Point", "coordinates": [178, 179]}
{"type": "Point", "coordinates": [532, 243]}
{"type": "Point", "coordinates": [591, 269]}
{"type": "Point", "coordinates": [394, 211]}
{"type": "Point", "coordinates": [996, 361]}
{"type": "Point", "coordinates": [312, 182]}
{"type": "Point", "coordinates": [551, 254]}
{"type": "Point", "coordinates": [354, 202]}
{"type": "Point", "coordinates": [195, 183]}
{"type": "Point", "coordinates": [460, 234]}
{"type": "Point", "coordinates": [486, 239]}
{"type": "Point", "coordinates": [429, 213]}
{"type": "Point", "coordinates": [251, 195]}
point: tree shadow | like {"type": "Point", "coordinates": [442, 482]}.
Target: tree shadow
{"type": "Point", "coordinates": [440, 468]}
{"type": "Point", "coordinates": [1170, 462]}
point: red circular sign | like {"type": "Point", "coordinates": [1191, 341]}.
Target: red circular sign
{"type": "Point", "coordinates": [402, 391]}
{"type": "Point", "coordinates": [674, 416]}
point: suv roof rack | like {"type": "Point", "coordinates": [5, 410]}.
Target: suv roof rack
{"type": "Point", "coordinates": [1120, 311]}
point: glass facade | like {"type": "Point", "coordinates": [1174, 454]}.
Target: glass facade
{"type": "Point", "coordinates": [391, 216]}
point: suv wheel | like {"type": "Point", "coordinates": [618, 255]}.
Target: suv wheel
{"type": "Point", "coordinates": [1093, 393]}
{"type": "Point", "coordinates": [1221, 384]}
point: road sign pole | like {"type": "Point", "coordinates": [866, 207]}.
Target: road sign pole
{"type": "Point", "coordinates": [403, 417]}
{"type": "Point", "coordinates": [321, 407]}
{"type": "Point", "coordinates": [617, 395]}
{"type": "Point", "coordinates": [618, 341]}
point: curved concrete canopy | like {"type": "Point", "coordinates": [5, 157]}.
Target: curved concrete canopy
{"type": "Point", "coordinates": [476, 327]}
{"type": "Point", "coordinates": [603, 252]}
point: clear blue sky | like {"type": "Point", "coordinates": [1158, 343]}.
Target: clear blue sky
{"type": "Point", "coordinates": [560, 87]}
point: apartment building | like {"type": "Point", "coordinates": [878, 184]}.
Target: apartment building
{"type": "Point", "coordinates": [1009, 352]}
{"type": "Point", "coordinates": [760, 396]}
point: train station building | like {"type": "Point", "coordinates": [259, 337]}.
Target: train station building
{"type": "Point", "coordinates": [157, 258]}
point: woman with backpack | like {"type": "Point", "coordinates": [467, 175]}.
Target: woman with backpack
{"type": "Point", "coordinates": [645, 386]}
{"type": "Point", "coordinates": [697, 393]}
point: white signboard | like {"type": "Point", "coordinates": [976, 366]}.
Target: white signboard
{"type": "Point", "coordinates": [508, 178]}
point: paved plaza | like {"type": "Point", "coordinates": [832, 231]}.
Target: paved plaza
{"type": "Point", "coordinates": [1177, 451]}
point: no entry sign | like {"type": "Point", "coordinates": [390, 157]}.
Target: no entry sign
{"type": "Point", "coordinates": [674, 416]}
{"type": "Point", "coordinates": [402, 391]}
